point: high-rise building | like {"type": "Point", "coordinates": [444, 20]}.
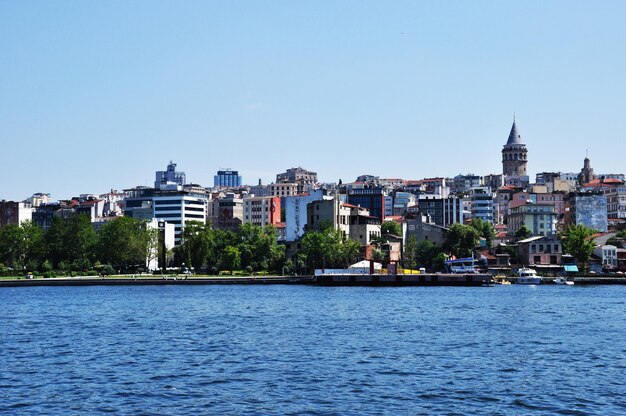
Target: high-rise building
{"type": "Point", "coordinates": [227, 178]}
{"type": "Point", "coordinates": [169, 176]}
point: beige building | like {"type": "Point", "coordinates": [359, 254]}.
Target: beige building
{"type": "Point", "coordinates": [354, 222]}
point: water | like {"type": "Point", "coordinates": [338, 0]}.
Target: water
{"type": "Point", "coordinates": [189, 350]}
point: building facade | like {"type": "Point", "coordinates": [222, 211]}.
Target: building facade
{"type": "Point", "coordinates": [538, 218]}
{"type": "Point", "coordinates": [261, 211]}
{"type": "Point", "coordinates": [227, 179]}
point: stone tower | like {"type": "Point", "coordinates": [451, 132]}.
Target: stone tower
{"type": "Point", "coordinates": [514, 155]}
{"type": "Point", "coordinates": [586, 173]}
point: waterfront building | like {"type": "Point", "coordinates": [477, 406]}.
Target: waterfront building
{"type": "Point", "coordinates": [587, 208]}
{"type": "Point", "coordinates": [540, 251]}
{"type": "Point", "coordinates": [262, 211]}
{"type": "Point", "coordinates": [12, 212]}
{"type": "Point", "coordinates": [422, 228]}
{"type": "Point", "coordinates": [539, 218]}
{"type": "Point", "coordinates": [180, 206]}
{"type": "Point", "coordinates": [173, 204]}
{"type": "Point", "coordinates": [355, 222]}
{"type": "Point", "coordinates": [169, 176]}
{"type": "Point", "coordinates": [227, 178]}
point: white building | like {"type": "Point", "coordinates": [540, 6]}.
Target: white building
{"type": "Point", "coordinates": [179, 207]}
{"type": "Point", "coordinates": [296, 213]}
{"type": "Point", "coordinates": [167, 238]}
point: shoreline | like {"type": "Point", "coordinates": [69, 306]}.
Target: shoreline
{"type": "Point", "coordinates": [335, 280]}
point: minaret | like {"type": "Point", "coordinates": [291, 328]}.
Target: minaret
{"type": "Point", "coordinates": [514, 154]}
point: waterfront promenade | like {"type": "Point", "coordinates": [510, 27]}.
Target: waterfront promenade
{"type": "Point", "coordinates": [343, 280]}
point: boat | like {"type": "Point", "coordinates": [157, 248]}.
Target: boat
{"type": "Point", "coordinates": [526, 276]}
{"type": "Point", "coordinates": [562, 281]}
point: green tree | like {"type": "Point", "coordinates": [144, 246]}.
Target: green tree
{"type": "Point", "coordinates": [71, 241]}
{"type": "Point", "coordinates": [125, 243]}
{"type": "Point", "coordinates": [523, 232]}
{"type": "Point", "coordinates": [21, 245]}
{"type": "Point", "coordinates": [410, 253]}
{"type": "Point", "coordinates": [197, 248]}
{"type": "Point", "coordinates": [485, 230]}
{"type": "Point", "coordinates": [426, 253]}
{"type": "Point", "coordinates": [230, 259]}
{"type": "Point", "coordinates": [259, 249]}
{"type": "Point", "coordinates": [328, 249]}
{"type": "Point", "coordinates": [461, 240]}
{"type": "Point", "coordinates": [577, 241]}
{"type": "Point", "coordinates": [391, 228]}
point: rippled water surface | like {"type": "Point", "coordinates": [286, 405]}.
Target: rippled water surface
{"type": "Point", "coordinates": [313, 350]}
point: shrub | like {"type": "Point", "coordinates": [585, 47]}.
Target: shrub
{"type": "Point", "coordinates": [48, 274]}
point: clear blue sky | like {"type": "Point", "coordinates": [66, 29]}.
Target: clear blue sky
{"type": "Point", "coordinates": [99, 95]}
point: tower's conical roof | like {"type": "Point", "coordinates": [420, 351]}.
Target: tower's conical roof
{"type": "Point", "coordinates": [514, 136]}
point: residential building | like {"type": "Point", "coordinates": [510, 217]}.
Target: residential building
{"type": "Point", "coordinates": [464, 183]}
{"type": "Point", "coordinates": [227, 178]}
{"type": "Point", "coordinates": [616, 202]}
{"type": "Point", "coordinates": [284, 189]}
{"type": "Point", "coordinates": [420, 226]}
{"type": "Point", "coordinates": [38, 199]}
{"type": "Point", "coordinates": [539, 218]}
{"type": "Point", "coordinates": [262, 211]}
{"type": "Point", "coordinates": [305, 179]}
{"type": "Point", "coordinates": [481, 200]}
{"type": "Point", "coordinates": [12, 212]}
{"type": "Point", "coordinates": [227, 212]}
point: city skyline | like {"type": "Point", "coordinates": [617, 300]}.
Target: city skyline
{"type": "Point", "coordinates": [100, 96]}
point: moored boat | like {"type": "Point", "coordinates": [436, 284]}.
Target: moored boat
{"type": "Point", "coordinates": [526, 276]}
{"type": "Point", "coordinates": [562, 281]}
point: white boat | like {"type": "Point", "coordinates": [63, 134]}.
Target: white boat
{"type": "Point", "coordinates": [526, 276]}
{"type": "Point", "coordinates": [562, 281]}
